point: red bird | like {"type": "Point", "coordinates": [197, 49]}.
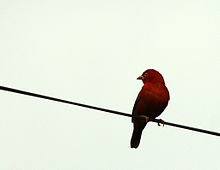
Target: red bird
{"type": "Point", "coordinates": [150, 103]}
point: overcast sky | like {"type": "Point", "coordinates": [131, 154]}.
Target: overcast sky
{"type": "Point", "coordinates": [92, 51]}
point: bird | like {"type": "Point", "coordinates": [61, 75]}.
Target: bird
{"type": "Point", "coordinates": [150, 103]}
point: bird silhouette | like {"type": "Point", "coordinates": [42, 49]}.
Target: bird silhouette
{"type": "Point", "coordinates": [150, 103]}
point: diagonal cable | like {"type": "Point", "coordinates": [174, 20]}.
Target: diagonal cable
{"type": "Point", "coordinates": [106, 110]}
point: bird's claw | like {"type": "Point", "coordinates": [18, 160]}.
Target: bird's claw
{"type": "Point", "coordinates": [145, 117]}
{"type": "Point", "coordinates": [160, 121]}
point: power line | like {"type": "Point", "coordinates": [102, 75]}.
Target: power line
{"type": "Point", "coordinates": [105, 110]}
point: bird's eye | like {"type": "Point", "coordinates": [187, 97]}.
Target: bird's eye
{"type": "Point", "coordinates": [145, 75]}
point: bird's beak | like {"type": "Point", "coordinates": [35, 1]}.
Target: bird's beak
{"type": "Point", "coordinates": [140, 78]}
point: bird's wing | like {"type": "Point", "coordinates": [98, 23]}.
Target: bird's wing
{"type": "Point", "coordinates": [150, 103]}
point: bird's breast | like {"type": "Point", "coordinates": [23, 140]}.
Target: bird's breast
{"type": "Point", "coordinates": [153, 101]}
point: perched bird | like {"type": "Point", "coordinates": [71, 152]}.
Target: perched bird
{"type": "Point", "coordinates": [150, 103]}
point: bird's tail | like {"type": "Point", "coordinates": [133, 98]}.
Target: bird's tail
{"type": "Point", "coordinates": [136, 135]}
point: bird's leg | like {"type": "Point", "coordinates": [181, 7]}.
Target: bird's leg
{"type": "Point", "coordinates": [160, 121]}
{"type": "Point", "coordinates": [145, 117]}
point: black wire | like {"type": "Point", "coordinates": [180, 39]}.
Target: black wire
{"type": "Point", "coordinates": [105, 110]}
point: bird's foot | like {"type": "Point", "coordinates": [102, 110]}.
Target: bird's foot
{"type": "Point", "coordinates": [145, 117]}
{"type": "Point", "coordinates": [160, 121]}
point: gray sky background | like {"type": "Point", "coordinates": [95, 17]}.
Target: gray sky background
{"type": "Point", "coordinates": [92, 52]}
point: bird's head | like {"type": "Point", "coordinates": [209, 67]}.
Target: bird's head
{"type": "Point", "coordinates": [151, 75]}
